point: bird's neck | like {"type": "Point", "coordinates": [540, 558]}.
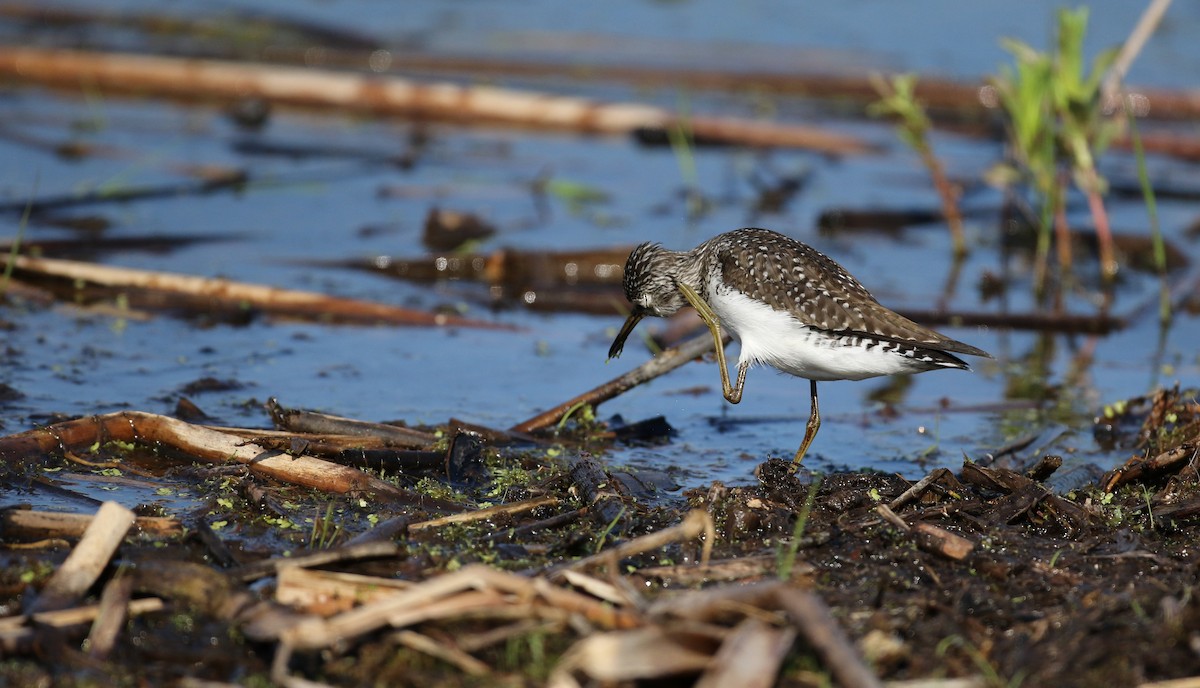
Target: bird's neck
{"type": "Point", "coordinates": [690, 268]}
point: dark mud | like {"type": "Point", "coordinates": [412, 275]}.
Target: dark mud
{"type": "Point", "coordinates": [983, 572]}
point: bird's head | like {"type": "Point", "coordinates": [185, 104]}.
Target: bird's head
{"type": "Point", "coordinates": [650, 285]}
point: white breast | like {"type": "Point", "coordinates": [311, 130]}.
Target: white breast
{"type": "Point", "coordinates": [777, 339]}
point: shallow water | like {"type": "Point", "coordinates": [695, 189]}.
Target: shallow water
{"type": "Point", "coordinates": [68, 361]}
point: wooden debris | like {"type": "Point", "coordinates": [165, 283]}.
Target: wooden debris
{"type": "Point", "coordinates": [997, 479]}
{"type": "Point", "coordinates": [88, 560]}
{"type": "Point", "coordinates": [930, 537]}
{"type": "Point", "coordinates": [1190, 682]}
{"type": "Point", "coordinates": [193, 79]}
{"type": "Point", "coordinates": [207, 445]}
{"type": "Point", "coordinates": [428, 600]}
{"type": "Point", "coordinates": [474, 642]}
{"type": "Point", "coordinates": [713, 605]}
{"type": "Point", "coordinates": [16, 635]}
{"type": "Point", "coordinates": [1098, 323]}
{"type": "Point", "coordinates": [1177, 511]}
{"type": "Point", "coordinates": [696, 523]}
{"type": "Point", "coordinates": [1045, 467]}
{"type": "Point", "coordinates": [104, 195]}
{"type": "Point", "coordinates": [486, 513]}
{"type": "Point", "coordinates": [248, 23]}
{"type": "Point", "coordinates": [514, 270]}
{"type": "Point", "coordinates": [76, 149]}
{"type": "Point", "coordinates": [384, 532]}
{"type": "Point", "coordinates": [941, 541]}
{"type": "Point", "coordinates": [303, 421]}
{"type": "Point", "coordinates": [24, 524]}
{"type": "Point", "coordinates": [527, 529]}
{"type": "Point", "coordinates": [1016, 504]}
{"type": "Point", "coordinates": [89, 246]}
{"type": "Point", "coordinates": [587, 280]}
{"type": "Point", "coordinates": [110, 619]}
{"type": "Point", "coordinates": [947, 100]}
{"type": "Point", "coordinates": [493, 436]}
{"type": "Point", "coordinates": [919, 487]}
{"type": "Point", "coordinates": [208, 294]}
{"type": "Point", "coordinates": [1138, 468]}
{"type": "Point", "coordinates": [619, 595]}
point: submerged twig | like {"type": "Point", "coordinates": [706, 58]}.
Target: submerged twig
{"type": "Point", "coordinates": [189, 187]}
{"type": "Point", "coordinates": [212, 173]}
{"type": "Point", "coordinates": [1099, 323]}
{"type": "Point", "coordinates": [305, 421]}
{"type": "Point", "coordinates": [239, 296]}
{"type": "Point", "coordinates": [659, 365]}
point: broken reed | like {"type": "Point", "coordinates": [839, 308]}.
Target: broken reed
{"type": "Point", "coordinates": [897, 99]}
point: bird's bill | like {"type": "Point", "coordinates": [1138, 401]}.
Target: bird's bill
{"type": "Point", "coordinates": [631, 322]}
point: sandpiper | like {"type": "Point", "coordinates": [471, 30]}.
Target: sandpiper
{"type": "Point", "coordinates": [792, 308]}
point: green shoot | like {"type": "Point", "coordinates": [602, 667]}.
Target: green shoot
{"type": "Point", "coordinates": [787, 559]}
{"type": "Point", "coordinates": [608, 531]}
{"type": "Point", "coordinates": [679, 134]}
{"type": "Point", "coordinates": [1056, 122]}
{"type": "Point", "coordinates": [588, 415]}
{"type": "Point", "coordinates": [15, 249]}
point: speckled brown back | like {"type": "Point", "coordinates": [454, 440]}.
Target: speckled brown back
{"type": "Point", "coordinates": [794, 277]}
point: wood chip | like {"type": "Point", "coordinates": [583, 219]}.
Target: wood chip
{"type": "Point", "coordinates": [87, 561]}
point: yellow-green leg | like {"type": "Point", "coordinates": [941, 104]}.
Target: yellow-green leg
{"type": "Point", "coordinates": [733, 394]}
{"type": "Point", "coordinates": [810, 430]}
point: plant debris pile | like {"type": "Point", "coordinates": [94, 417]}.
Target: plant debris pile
{"type": "Point", "coordinates": [553, 570]}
